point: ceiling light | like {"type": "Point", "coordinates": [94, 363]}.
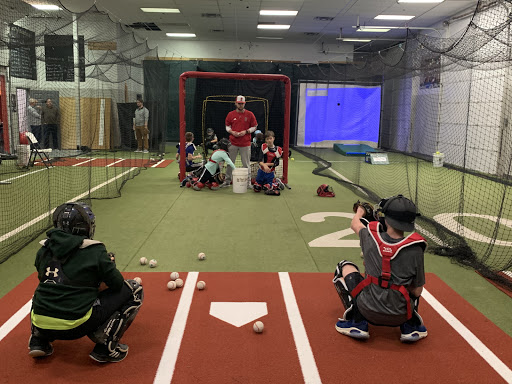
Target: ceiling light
{"type": "Point", "coordinates": [354, 39]}
{"type": "Point", "coordinates": [273, 26]}
{"type": "Point", "coordinates": [278, 13]}
{"type": "Point", "coordinates": [420, 1]}
{"type": "Point", "coordinates": [269, 38]}
{"type": "Point", "coordinates": [362, 29]}
{"type": "Point", "coordinates": [161, 10]}
{"type": "Point", "coordinates": [393, 17]}
{"type": "Point", "coordinates": [46, 7]}
{"type": "Point", "coordinates": [181, 34]}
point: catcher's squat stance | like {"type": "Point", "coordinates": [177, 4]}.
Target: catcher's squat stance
{"type": "Point", "coordinates": [80, 291]}
{"type": "Point", "coordinates": [394, 272]}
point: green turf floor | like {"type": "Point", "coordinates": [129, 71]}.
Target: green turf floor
{"type": "Point", "coordinates": [157, 219]}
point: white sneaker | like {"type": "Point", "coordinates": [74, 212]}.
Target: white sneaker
{"type": "Point", "coordinates": [138, 150]}
{"type": "Point", "coordinates": [146, 151]}
{"type": "Point", "coordinates": [225, 184]}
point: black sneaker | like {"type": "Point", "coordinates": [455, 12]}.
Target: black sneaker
{"type": "Point", "coordinates": [102, 354]}
{"type": "Point", "coordinates": [39, 347]}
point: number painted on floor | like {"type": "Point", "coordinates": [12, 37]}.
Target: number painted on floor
{"type": "Point", "coordinates": [448, 221]}
{"type": "Point", "coordinates": [334, 239]}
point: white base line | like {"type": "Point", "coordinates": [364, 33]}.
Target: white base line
{"type": "Point", "coordinates": [26, 174]}
{"type": "Point", "coordinates": [160, 162]}
{"type": "Point", "coordinates": [45, 215]}
{"type": "Point", "coordinates": [15, 319]}
{"type": "Point", "coordinates": [306, 358]}
{"type": "Point", "coordinates": [470, 338]}
{"type": "Point", "coordinates": [343, 177]}
{"type": "Point", "coordinates": [83, 162]}
{"type": "Point", "coordinates": [167, 364]}
{"type": "Point", "coordinates": [115, 162]}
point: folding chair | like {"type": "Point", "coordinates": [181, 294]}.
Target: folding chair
{"type": "Point", "coordinates": [35, 149]}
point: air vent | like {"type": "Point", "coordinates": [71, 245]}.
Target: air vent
{"type": "Point", "coordinates": [146, 26]}
{"type": "Point", "coordinates": [211, 15]}
{"type": "Point", "coordinates": [323, 18]}
{"type": "Point", "coordinates": [311, 33]}
{"type": "Point", "coordinates": [216, 30]}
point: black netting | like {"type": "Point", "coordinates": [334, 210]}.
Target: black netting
{"type": "Point", "coordinates": [93, 71]}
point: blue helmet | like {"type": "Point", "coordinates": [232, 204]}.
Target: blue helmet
{"type": "Point", "coordinates": [75, 218]}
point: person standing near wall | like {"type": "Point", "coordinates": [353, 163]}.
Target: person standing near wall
{"type": "Point", "coordinates": [50, 118]}
{"type": "Point", "coordinates": [34, 119]}
{"type": "Point", "coordinates": [140, 126]}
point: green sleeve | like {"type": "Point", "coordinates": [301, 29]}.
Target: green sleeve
{"type": "Point", "coordinates": [110, 275]}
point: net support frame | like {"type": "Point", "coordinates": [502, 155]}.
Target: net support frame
{"type": "Point", "coordinates": [235, 76]}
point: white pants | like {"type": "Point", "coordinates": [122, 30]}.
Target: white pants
{"type": "Point", "coordinates": [245, 154]}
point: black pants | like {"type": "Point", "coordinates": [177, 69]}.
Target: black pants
{"type": "Point", "coordinates": [107, 303]}
{"type": "Point", "coordinates": [53, 130]}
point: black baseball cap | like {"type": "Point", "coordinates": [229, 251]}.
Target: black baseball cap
{"type": "Point", "coordinates": [400, 213]}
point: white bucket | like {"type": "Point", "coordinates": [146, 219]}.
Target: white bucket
{"type": "Point", "coordinates": [240, 176]}
{"type": "Point", "coordinates": [23, 152]}
{"type": "Point", "coordinates": [438, 159]}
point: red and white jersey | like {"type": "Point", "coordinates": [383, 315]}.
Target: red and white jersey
{"type": "Point", "coordinates": [241, 122]}
{"type": "Point", "coordinates": [270, 155]}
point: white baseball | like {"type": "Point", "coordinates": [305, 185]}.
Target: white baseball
{"type": "Point", "coordinates": [153, 263]}
{"type": "Point", "coordinates": [174, 275]}
{"type": "Point", "coordinates": [171, 285]}
{"type": "Point", "coordinates": [179, 283]}
{"type": "Point", "coordinates": [201, 285]}
{"type": "Point", "coordinates": [138, 280]}
{"type": "Point", "coordinates": [258, 327]}
{"type": "Point", "coordinates": [143, 261]}
{"type": "Point", "coordinates": [201, 256]}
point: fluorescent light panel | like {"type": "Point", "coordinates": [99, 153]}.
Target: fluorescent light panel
{"type": "Point", "coordinates": [358, 40]}
{"type": "Point", "coordinates": [381, 30]}
{"type": "Point", "coordinates": [181, 34]}
{"type": "Point", "coordinates": [161, 10]}
{"type": "Point", "coordinates": [273, 26]}
{"type": "Point", "coordinates": [278, 13]}
{"type": "Point", "coordinates": [46, 7]}
{"type": "Point", "coordinates": [420, 1]}
{"type": "Point", "coordinates": [393, 17]}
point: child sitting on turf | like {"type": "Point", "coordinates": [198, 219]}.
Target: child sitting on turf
{"type": "Point", "coordinates": [259, 140]}
{"type": "Point", "coordinates": [268, 161]}
{"type": "Point", "coordinates": [210, 140]}
{"type": "Point", "coordinates": [191, 166]}
{"type": "Point", "coordinates": [211, 168]}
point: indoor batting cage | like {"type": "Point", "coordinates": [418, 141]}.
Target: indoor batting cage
{"type": "Point", "coordinates": [69, 86]}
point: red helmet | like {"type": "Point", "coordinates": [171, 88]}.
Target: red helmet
{"type": "Point", "coordinates": [325, 191]}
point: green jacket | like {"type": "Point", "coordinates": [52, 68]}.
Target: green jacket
{"type": "Point", "coordinates": [86, 267]}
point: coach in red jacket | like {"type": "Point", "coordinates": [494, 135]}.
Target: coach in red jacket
{"type": "Point", "coordinates": [240, 123]}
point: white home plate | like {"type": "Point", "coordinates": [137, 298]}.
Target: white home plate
{"type": "Point", "coordinates": [238, 314]}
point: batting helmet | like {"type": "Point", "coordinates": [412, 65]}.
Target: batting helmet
{"type": "Point", "coordinates": [325, 191]}
{"type": "Point", "coordinates": [75, 218]}
{"type": "Point", "coordinates": [224, 144]}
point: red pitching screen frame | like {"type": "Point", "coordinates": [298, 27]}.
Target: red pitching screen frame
{"type": "Point", "coordinates": [236, 76]}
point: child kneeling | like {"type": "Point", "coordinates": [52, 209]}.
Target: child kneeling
{"type": "Point", "coordinates": [211, 168]}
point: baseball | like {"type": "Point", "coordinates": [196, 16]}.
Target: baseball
{"type": "Point", "coordinates": [143, 261]}
{"type": "Point", "coordinates": [174, 275]}
{"type": "Point", "coordinates": [201, 285]}
{"type": "Point", "coordinates": [138, 280]}
{"type": "Point", "coordinates": [153, 263]}
{"type": "Point", "coordinates": [179, 283]}
{"type": "Point", "coordinates": [201, 256]}
{"type": "Point", "coordinates": [291, 158]}
{"type": "Point", "coordinates": [171, 285]}
{"type": "Point", "coordinates": [258, 327]}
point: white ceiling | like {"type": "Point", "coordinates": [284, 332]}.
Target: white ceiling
{"type": "Point", "coordinates": [239, 18]}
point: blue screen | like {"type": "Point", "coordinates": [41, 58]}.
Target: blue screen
{"type": "Point", "coordinates": [342, 114]}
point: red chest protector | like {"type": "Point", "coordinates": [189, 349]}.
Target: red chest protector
{"type": "Point", "coordinates": [388, 251]}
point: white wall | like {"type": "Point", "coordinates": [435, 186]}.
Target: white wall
{"type": "Point", "coordinates": [306, 53]}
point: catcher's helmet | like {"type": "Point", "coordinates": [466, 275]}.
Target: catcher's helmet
{"type": "Point", "coordinates": [399, 212]}
{"type": "Point", "coordinates": [224, 144]}
{"type": "Point", "coordinates": [75, 218]}
{"type": "Point", "coordinates": [325, 191]}
{"type": "Point", "coordinates": [210, 131]}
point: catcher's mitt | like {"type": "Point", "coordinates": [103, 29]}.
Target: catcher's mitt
{"type": "Point", "coordinates": [368, 208]}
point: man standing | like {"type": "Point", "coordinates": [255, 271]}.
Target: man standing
{"type": "Point", "coordinates": [240, 123]}
{"type": "Point", "coordinates": [34, 119]}
{"type": "Point", "coordinates": [50, 117]}
{"type": "Point", "coordinates": [140, 126]}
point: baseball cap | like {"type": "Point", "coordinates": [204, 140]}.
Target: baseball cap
{"type": "Point", "coordinates": [240, 99]}
{"type": "Point", "coordinates": [400, 213]}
